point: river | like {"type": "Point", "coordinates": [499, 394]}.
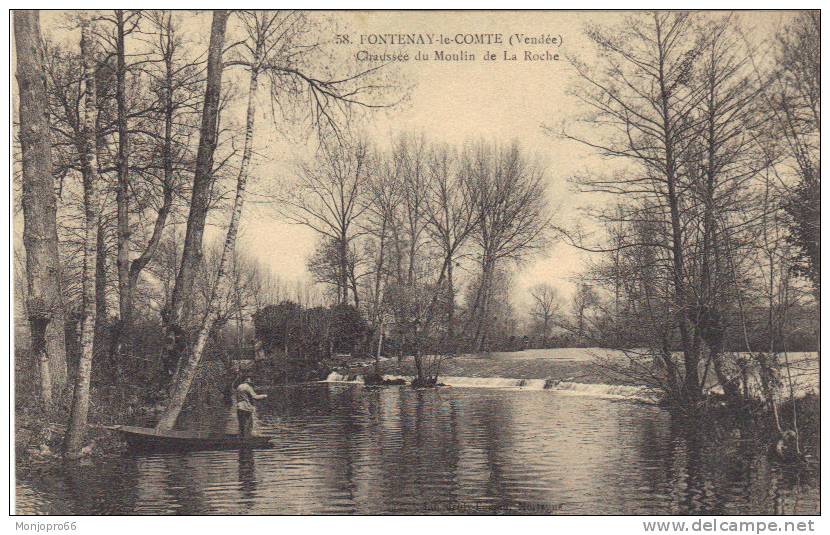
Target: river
{"type": "Point", "coordinates": [345, 448]}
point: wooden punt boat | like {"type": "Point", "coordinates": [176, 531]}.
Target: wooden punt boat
{"type": "Point", "coordinates": [148, 439]}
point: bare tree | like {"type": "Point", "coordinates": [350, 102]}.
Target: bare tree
{"type": "Point", "coordinates": [546, 303]}
{"type": "Point", "coordinates": [451, 216]}
{"type": "Point", "coordinates": [383, 198]}
{"type": "Point", "coordinates": [122, 22]}
{"type": "Point", "coordinates": [584, 299]}
{"type": "Point", "coordinates": [149, 121]}
{"type": "Point", "coordinates": [409, 263]}
{"type": "Point", "coordinates": [328, 197]}
{"type": "Point", "coordinates": [414, 290]}
{"type": "Point", "coordinates": [794, 100]}
{"type": "Point", "coordinates": [676, 102]}
{"type": "Point", "coordinates": [411, 160]}
{"type": "Point", "coordinates": [187, 370]}
{"type": "Point", "coordinates": [203, 177]}
{"type": "Point", "coordinates": [65, 72]}
{"type": "Point", "coordinates": [643, 99]}
{"type": "Point", "coordinates": [721, 186]}
{"type": "Point", "coordinates": [512, 218]}
{"type": "Point", "coordinates": [44, 304]}
{"type": "Point", "coordinates": [80, 399]}
{"type": "Point", "coordinates": [175, 80]}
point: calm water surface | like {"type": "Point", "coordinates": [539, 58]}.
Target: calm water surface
{"type": "Point", "coordinates": [348, 449]}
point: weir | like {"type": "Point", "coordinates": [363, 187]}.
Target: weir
{"type": "Point", "coordinates": [638, 393]}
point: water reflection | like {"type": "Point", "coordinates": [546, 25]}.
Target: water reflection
{"type": "Point", "coordinates": [349, 449]}
{"type": "Point", "coordinates": [247, 479]}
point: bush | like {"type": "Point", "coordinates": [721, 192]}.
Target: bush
{"type": "Point", "coordinates": [298, 342]}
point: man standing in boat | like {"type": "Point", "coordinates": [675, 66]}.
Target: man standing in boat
{"type": "Point", "coordinates": [245, 396]}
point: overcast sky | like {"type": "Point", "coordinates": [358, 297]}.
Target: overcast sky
{"type": "Point", "coordinates": [458, 101]}
{"type": "Point", "coordinates": [449, 102]}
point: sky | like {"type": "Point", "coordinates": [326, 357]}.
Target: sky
{"type": "Point", "coordinates": [496, 101]}
{"type": "Point", "coordinates": [454, 102]}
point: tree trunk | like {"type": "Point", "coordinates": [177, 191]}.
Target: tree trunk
{"type": "Point", "coordinates": [379, 349]}
{"type": "Point", "coordinates": [483, 322]}
{"type": "Point", "coordinates": [472, 324]}
{"type": "Point", "coordinates": [100, 289]}
{"type": "Point", "coordinates": [56, 352]}
{"type": "Point", "coordinates": [137, 265]}
{"type": "Point", "coordinates": [122, 190]}
{"type": "Point", "coordinates": [182, 296]}
{"type": "Point", "coordinates": [451, 307]}
{"type": "Point", "coordinates": [44, 300]}
{"type": "Point", "coordinates": [239, 319]}
{"type": "Point", "coordinates": [203, 179]}
{"type": "Point", "coordinates": [730, 385]}
{"type": "Point", "coordinates": [342, 256]}
{"type": "Point", "coordinates": [188, 372]}
{"type": "Point", "coordinates": [416, 356]}
{"type": "Point", "coordinates": [80, 398]}
{"type": "Point", "coordinates": [690, 355]}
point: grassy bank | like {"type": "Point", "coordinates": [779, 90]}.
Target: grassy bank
{"type": "Point", "coordinates": [38, 435]}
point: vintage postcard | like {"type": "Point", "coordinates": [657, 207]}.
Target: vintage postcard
{"type": "Point", "coordinates": [416, 263]}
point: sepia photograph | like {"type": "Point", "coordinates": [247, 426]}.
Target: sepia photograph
{"type": "Point", "coordinates": [415, 262]}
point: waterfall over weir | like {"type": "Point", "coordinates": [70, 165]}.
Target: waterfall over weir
{"type": "Point", "coordinates": [638, 393]}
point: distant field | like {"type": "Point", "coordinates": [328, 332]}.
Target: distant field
{"type": "Point", "coordinates": [575, 354]}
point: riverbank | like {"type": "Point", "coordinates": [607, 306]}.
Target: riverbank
{"type": "Point", "coordinates": [38, 436]}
